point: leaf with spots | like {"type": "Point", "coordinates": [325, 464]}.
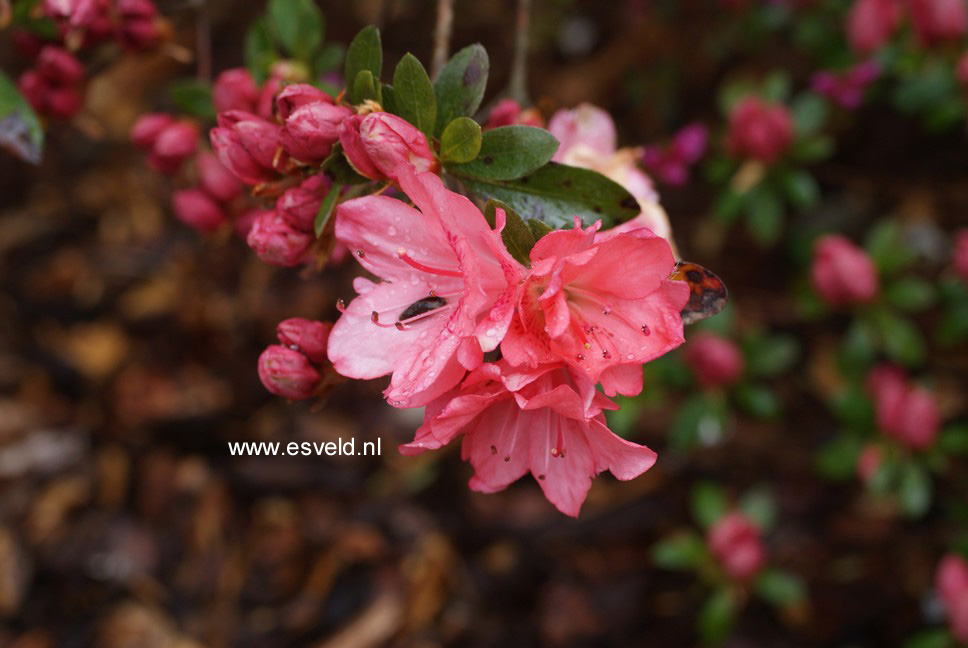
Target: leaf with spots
{"type": "Point", "coordinates": [459, 87]}
{"type": "Point", "coordinates": [555, 194]}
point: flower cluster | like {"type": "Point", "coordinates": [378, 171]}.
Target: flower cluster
{"type": "Point", "coordinates": [54, 85]}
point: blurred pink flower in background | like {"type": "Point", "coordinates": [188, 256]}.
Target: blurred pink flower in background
{"type": "Point", "coordinates": [671, 163]}
{"type": "Point", "coordinates": [951, 581]}
{"type": "Point", "coordinates": [715, 360]}
{"type": "Point", "coordinates": [846, 88]}
{"type": "Point", "coordinates": [961, 253]}
{"type": "Point", "coordinates": [508, 112]}
{"type": "Point", "coordinates": [735, 543]}
{"type": "Point", "coordinates": [870, 23]}
{"type": "Point", "coordinates": [842, 273]}
{"type": "Point", "coordinates": [905, 412]}
{"type": "Point", "coordinates": [938, 20]}
{"type": "Point", "coordinates": [759, 129]}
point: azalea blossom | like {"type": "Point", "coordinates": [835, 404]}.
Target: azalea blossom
{"type": "Point", "coordinates": [587, 139]}
{"type": "Point", "coordinates": [548, 421]}
{"type": "Point", "coordinates": [575, 308]}
{"type": "Point", "coordinates": [447, 294]}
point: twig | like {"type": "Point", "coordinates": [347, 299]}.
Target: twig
{"type": "Point", "coordinates": [203, 42]}
{"type": "Point", "coordinates": [518, 87]}
{"type": "Point", "coordinates": [445, 23]}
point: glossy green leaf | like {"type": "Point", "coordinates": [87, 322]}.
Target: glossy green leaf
{"type": "Point", "coordinates": [779, 588]}
{"type": "Point", "coordinates": [901, 339]}
{"type": "Point", "coordinates": [259, 51]}
{"type": "Point", "coordinates": [326, 209]}
{"type": "Point", "coordinates": [366, 87]}
{"type": "Point", "coordinates": [708, 503]}
{"type": "Point", "coordinates": [364, 53]}
{"type": "Point", "coordinates": [194, 96]}
{"type": "Point", "coordinates": [767, 357]}
{"type": "Point", "coordinates": [413, 94]}
{"type": "Point", "coordinates": [460, 141]}
{"type": "Point", "coordinates": [516, 235]}
{"type": "Point", "coordinates": [297, 25]}
{"type": "Point", "coordinates": [717, 616]}
{"type": "Point", "coordinates": [680, 551]}
{"type": "Point", "coordinates": [556, 194]}
{"type": "Point", "coordinates": [459, 87]}
{"type": "Point", "coordinates": [911, 294]}
{"type": "Point", "coordinates": [508, 153]}
{"type": "Point", "coordinates": [914, 490]}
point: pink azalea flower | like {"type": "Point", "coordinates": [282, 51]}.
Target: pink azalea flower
{"type": "Point", "coordinates": [574, 307]}
{"type": "Point", "coordinates": [671, 162]}
{"type": "Point", "coordinates": [842, 273]}
{"type": "Point", "coordinates": [951, 582]}
{"type": "Point", "coordinates": [548, 421]}
{"type": "Point", "coordinates": [759, 129]}
{"type": "Point", "coordinates": [447, 295]}
{"type": "Point", "coordinates": [961, 253]}
{"type": "Point", "coordinates": [870, 23]}
{"type": "Point", "coordinates": [905, 411]}
{"type": "Point", "coordinates": [735, 542]}
{"type": "Point", "coordinates": [716, 360]}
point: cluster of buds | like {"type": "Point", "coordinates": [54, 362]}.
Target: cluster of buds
{"type": "Point", "coordinates": [759, 129]}
{"type": "Point", "coordinates": [847, 88]}
{"type": "Point", "coordinates": [906, 412]}
{"type": "Point", "coordinates": [841, 273]}
{"type": "Point", "coordinates": [293, 368]}
{"type": "Point", "coordinates": [53, 86]}
{"type": "Point", "coordinates": [671, 163]}
{"type": "Point", "coordinates": [715, 360]}
{"type": "Point", "coordinates": [735, 543]}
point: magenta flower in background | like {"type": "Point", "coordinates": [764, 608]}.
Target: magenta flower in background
{"type": "Point", "coordinates": [869, 462]}
{"type": "Point", "coordinates": [447, 295]}
{"type": "Point", "coordinates": [951, 581]}
{"type": "Point", "coordinates": [961, 253]}
{"type": "Point", "coordinates": [174, 144]}
{"type": "Point", "coordinates": [842, 273]}
{"type": "Point", "coordinates": [938, 20]}
{"type": "Point", "coordinates": [735, 543]}
{"type": "Point", "coordinates": [847, 88]}
{"type": "Point", "coordinates": [671, 163]}
{"type": "Point", "coordinates": [905, 412]}
{"type": "Point", "coordinates": [288, 373]}
{"type": "Point", "coordinates": [548, 421]}
{"type": "Point", "coordinates": [197, 209]}
{"type": "Point", "coordinates": [759, 129]}
{"type": "Point", "coordinates": [235, 89]}
{"type": "Point", "coordinates": [216, 180]}
{"type": "Point", "coordinates": [508, 112]}
{"type": "Point", "coordinates": [574, 308]}
{"type": "Point", "coordinates": [715, 360]}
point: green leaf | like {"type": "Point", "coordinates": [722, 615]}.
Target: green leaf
{"type": "Point", "coordinates": [460, 85]}
{"type": "Point", "coordinates": [339, 171]}
{"type": "Point", "coordinates": [508, 153]}
{"type": "Point", "coordinates": [329, 58]}
{"type": "Point", "coordinates": [764, 215]}
{"type": "Point", "coordinates": [681, 551]}
{"type": "Point", "coordinates": [954, 439]}
{"type": "Point", "coordinates": [366, 87]}
{"type": "Point", "coordinates": [838, 459]}
{"type": "Point", "coordinates": [887, 248]}
{"type": "Point", "coordinates": [717, 616]}
{"type": "Point", "coordinates": [413, 94]}
{"type": "Point", "coordinates": [937, 638]}
{"type": "Point", "coordinates": [760, 507]}
{"type": "Point", "coordinates": [365, 53]}
{"type": "Point", "coordinates": [461, 141]}
{"type": "Point", "coordinates": [801, 189]}
{"type": "Point", "coordinates": [539, 228]}
{"type": "Point", "coordinates": [708, 503]}
{"type": "Point", "coordinates": [516, 235]}
{"type": "Point", "coordinates": [911, 294]}
{"type": "Point", "coordinates": [556, 193]}
{"type": "Point", "coordinates": [758, 400]}
{"type": "Point", "coordinates": [729, 205]}
{"type": "Point", "coordinates": [297, 25]}
{"type": "Point", "coordinates": [326, 209]}
{"type": "Point", "coordinates": [20, 130]}
{"type": "Point", "coordinates": [699, 420]}
{"type": "Point", "coordinates": [902, 340]}
{"type": "Point", "coordinates": [779, 588]}
{"type": "Point", "coordinates": [259, 51]}
{"type": "Point", "coordinates": [813, 149]}
{"type": "Point", "coordinates": [767, 357]}
{"type": "Point", "coordinates": [809, 113]}
{"type": "Point", "coordinates": [914, 490]}
{"type": "Point", "coordinates": [388, 98]}
{"type": "Point", "coordinates": [194, 96]}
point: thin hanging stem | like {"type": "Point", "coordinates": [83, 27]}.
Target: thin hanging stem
{"type": "Point", "coordinates": [445, 24]}
{"type": "Point", "coordinates": [518, 87]}
{"type": "Point", "coordinates": [203, 43]}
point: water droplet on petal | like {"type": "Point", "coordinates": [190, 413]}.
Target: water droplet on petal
{"type": "Point", "coordinates": [646, 329]}
{"type": "Point", "coordinates": [580, 356]}
{"type": "Point", "coordinates": [360, 253]}
{"type": "Point", "coordinates": [391, 231]}
{"type": "Point", "coordinates": [630, 356]}
{"type": "Point", "coordinates": [606, 355]}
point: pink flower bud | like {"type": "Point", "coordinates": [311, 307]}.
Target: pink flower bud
{"type": "Point", "coordinates": [938, 20]}
{"type": "Point", "coordinates": [869, 462]}
{"type": "Point", "coordinates": [276, 242]}
{"type": "Point", "coordinates": [63, 103]}
{"type": "Point", "coordinates": [298, 206]}
{"type": "Point", "coordinates": [870, 23]}
{"type": "Point", "coordinates": [349, 138]}
{"type": "Point", "coordinates": [216, 180]}
{"type": "Point", "coordinates": [392, 142]}
{"type": "Point", "coordinates": [735, 542]}
{"type": "Point", "coordinates": [504, 113]}
{"type": "Point", "coordinates": [137, 32]}
{"type": "Point", "coordinates": [919, 422]}
{"type": "Point", "coordinates": [174, 144]}
{"type": "Point", "coordinates": [287, 373]}
{"type": "Point", "coordinates": [759, 129]}
{"type": "Point", "coordinates": [961, 253]}
{"type": "Point", "coordinates": [235, 89]}
{"type": "Point", "coordinates": [59, 66]}
{"type": "Point", "coordinates": [842, 273]}
{"type": "Point", "coordinates": [267, 97]}
{"type": "Point", "coordinates": [951, 581]}
{"type": "Point", "coordinates": [311, 130]}
{"type": "Point", "coordinates": [196, 209]}
{"type": "Point", "coordinates": [34, 89]}
{"type": "Point", "coordinates": [246, 145]}
{"type": "Point", "coordinates": [306, 336]}
{"type": "Point", "coordinates": [146, 130]}
{"type": "Point", "coordinates": [243, 222]}
{"type": "Point", "coordinates": [297, 95]}
{"type": "Point", "coordinates": [714, 359]}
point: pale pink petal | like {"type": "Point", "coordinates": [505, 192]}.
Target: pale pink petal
{"type": "Point", "coordinates": [624, 379]}
{"type": "Point", "coordinates": [624, 459]}
{"type": "Point", "coordinates": [585, 125]}
{"type": "Point", "coordinates": [564, 478]}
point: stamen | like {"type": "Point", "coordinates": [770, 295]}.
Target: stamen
{"type": "Point", "coordinates": [416, 265]}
